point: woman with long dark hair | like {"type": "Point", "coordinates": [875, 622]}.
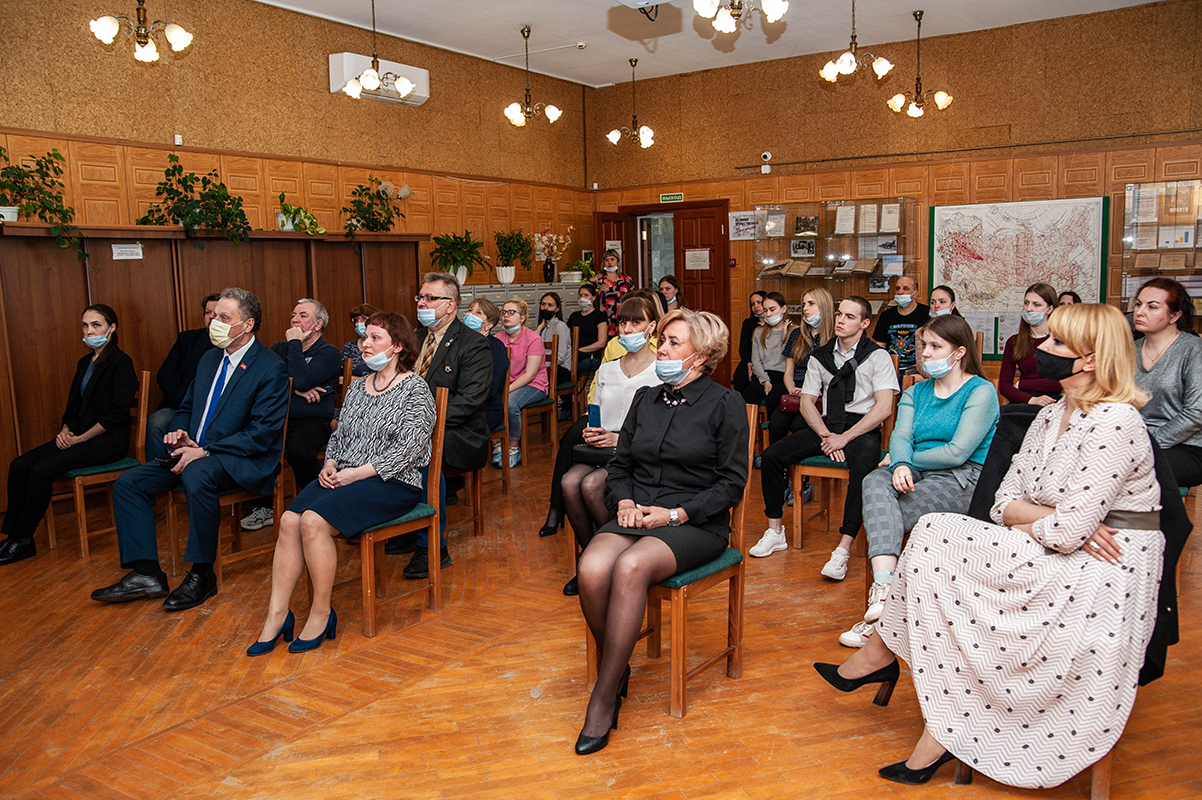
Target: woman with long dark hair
{"type": "Point", "coordinates": [1019, 352]}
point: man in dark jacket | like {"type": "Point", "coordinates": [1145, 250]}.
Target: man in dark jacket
{"type": "Point", "coordinates": [175, 376]}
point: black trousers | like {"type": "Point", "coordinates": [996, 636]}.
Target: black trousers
{"type": "Point", "coordinates": [863, 454]}
{"type": "Point", "coordinates": [307, 437]}
{"type": "Point", "coordinates": [563, 459]}
{"type": "Point", "coordinates": [754, 393]}
{"type": "Point", "coordinates": [1186, 462]}
{"type": "Point", "coordinates": [739, 378]}
{"type": "Point", "coordinates": [782, 423]}
{"type": "Point", "coordinates": [31, 477]}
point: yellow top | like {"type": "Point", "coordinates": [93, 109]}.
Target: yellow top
{"type": "Point", "coordinates": [614, 349]}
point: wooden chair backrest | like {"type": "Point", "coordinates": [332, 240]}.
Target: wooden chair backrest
{"type": "Point", "coordinates": [738, 514]}
{"type": "Point", "coordinates": [575, 352]}
{"type": "Point", "coordinates": [140, 412]}
{"type": "Point", "coordinates": [551, 363]}
{"type": "Point", "coordinates": [284, 432]}
{"type": "Point", "coordinates": [346, 380]}
{"type": "Point", "coordinates": [440, 428]}
{"type": "Point", "coordinates": [980, 343]}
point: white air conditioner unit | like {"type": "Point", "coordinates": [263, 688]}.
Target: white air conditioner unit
{"type": "Point", "coordinates": [344, 66]}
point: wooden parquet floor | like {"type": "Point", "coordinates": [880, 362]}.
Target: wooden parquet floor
{"type": "Point", "coordinates": [484, 698]}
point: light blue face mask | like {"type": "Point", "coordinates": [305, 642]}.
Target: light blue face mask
{"type": "Point", "coordinates": [361, 329]}
{"type": "Point", "coordinates": [378, 361]}
{"type": "Point", "coordinates": [1035, 318]}
{"type": "Point", "coordinates": [96, 342]}
{"type": "Point", "coordinates": [513, 330]}
{"type": "Point", "coordinates": [903, 300]}
{"type": "Point", "coordinates": [426, 317]}
{"type": "Point", "coordinates": [814, 320]}
{"type": "Point", "coordinates": [774, 320]}
{"type": "Point", "coordinates": [937, 368]}
{"type": "Point", "coordinates": [473, 322]}
{"type": "Point", "coordinates": [633, 342]}
{"type": "Point", "coordinates": [671, 370]}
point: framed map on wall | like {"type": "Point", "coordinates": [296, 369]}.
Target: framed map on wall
{"type": "Point", "coordinates": [989, 253]}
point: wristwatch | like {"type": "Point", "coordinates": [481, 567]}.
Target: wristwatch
{"type": "Point", "coordinates": [673, 519]}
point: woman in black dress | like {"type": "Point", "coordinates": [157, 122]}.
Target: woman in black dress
{"type": "Point", "coordinates": [680, 466]}
{"type": "Point", "coordinates": [594, 331]}
{"type": "Point", "coordinates": [741, 377]}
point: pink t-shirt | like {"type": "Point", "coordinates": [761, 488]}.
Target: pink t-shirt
{"type": "Point", "coordinates": [528, 343]}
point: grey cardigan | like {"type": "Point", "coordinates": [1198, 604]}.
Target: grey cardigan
{"type": "Point", "coordinates": [1174, 414]}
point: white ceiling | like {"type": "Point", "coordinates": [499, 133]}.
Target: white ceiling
{"type": "Point", "coordinates": [678, 41]}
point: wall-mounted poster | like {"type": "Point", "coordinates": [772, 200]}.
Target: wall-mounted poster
{"type": "Point", "coordinates": [742, 225]}
{"type": "Point", "coordinates": [802, 248]}
{"type": "Point", "coordinates": [804, 225]}
{"type": "Point", "coordinates": [990, 253]}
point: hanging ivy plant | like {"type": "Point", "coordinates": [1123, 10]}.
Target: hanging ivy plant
{"type": "Point", "coordinates": [198, 203]}
{"type": "Point", "coordinates": [372, 208]}
{"type": "Point", "coordinates": [301, 219]}
{"type": "Point", "coordinates": [37, 192]}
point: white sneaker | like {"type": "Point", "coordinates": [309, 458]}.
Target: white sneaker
{"type": "Point", "coordinates": [876, 601]}
{"type": "Point", "coordinates": [858, 635]}
{"type": "Point", "coordinates": [836, 568]}
{"type": "Point", "coordinates": [772, 541]}
{"type": "Point", "coordinates": [259, 518]}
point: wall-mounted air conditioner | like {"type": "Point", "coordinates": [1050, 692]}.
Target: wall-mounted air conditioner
{"type": "Point", "coordinates": [344, 66]}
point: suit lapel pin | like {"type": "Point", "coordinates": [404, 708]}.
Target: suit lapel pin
{"type": "Point", "coordinates": [242, 365]}
{"type": "Point", "coordinates": [447, 367]}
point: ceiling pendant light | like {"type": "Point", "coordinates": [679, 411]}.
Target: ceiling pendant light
{"type": "Point", "coordinates": [106, 29]}
{"type": "Point", "coordinates": [371, 80]}
{"type": "Point", "coordinates": [918, 99]}
{"type": "Point", "coordinates": [727, 14]}
{"type": "Point", "coordinates": [851, 60]}
{"type": "Point", "coordinates": [643, 135]}
{"type": "Point", "coordinates": [518, 113]}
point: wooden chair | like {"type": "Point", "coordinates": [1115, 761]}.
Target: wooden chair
{"type": "Point", "coordinates": [231, 499]}
{"type": "Point", "coordinates": [76, 483]}
{"type": "Point", "coordinates": [569, 389]}
{"type": "Point", "coordinates": [424, 515]}
{"type": "Point", "coordinates": [501, 434]}
{"type": "Point", "coordinates": [546, 407]}
{"type": "Point", "coordinates": [1099, 785]}
{"type": "Point", "coordinates": [822, 470]}
{"type": "Point", "coordinates": [347, 379]}
{"type": "Point", "coordinates": [680, 589]}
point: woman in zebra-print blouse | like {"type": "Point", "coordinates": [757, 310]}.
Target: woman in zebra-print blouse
{"type": "Point", "coordinates": [371, 475]}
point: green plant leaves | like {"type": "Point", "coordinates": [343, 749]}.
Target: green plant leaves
{"type": "Point", "coordinates": [212, 209]}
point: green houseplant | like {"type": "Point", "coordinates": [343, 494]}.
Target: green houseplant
{"type": "Point", "coordinates": [297, 218]}
{"type": "Point", "coordinates": [585, 268]}
{"type": "Point", "coordinates": [453, 252]}
{"type": "Point", "coordinates": [35, 190]}
{"type": "Point", "coordinates": [372, 208]}
{"type": "Point", "coordinates": [513, 246]}
{"type": "Point", "coordinates": [198, 203]}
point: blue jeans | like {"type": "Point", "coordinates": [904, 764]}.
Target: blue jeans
{"type": "Point", "coordinates": [518, 400]}
{"type": "Point", "coordinates": [156, 429]}
{"type": "Point", "coordinates": [588, 363]}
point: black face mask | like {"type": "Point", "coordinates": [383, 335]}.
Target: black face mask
{"type": "Point", "coordinates": [544, 314]}
{"type": "Point", "coordinates": [1056, 368]}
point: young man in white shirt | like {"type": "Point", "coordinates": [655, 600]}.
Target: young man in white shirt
{"type": "Point", "coordinates": [857, 382]}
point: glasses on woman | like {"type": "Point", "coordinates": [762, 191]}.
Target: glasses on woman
{"type": "Point", "coordinates": [511, 312]}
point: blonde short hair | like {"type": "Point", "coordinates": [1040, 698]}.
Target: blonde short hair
{"type": "Point", "coordinates": [1101, 330]}
{"type": "Point", "coordinates": [707, 333]}
{"type": "Point", "coordinates": [521, 304]}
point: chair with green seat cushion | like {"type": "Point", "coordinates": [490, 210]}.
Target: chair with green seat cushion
{"type": "Point", "coordinates": [76, 483]}
{"type": "Point", "coordinates": [678, 590]}
{"type": "Point", "coordinates": [568, 388]}
{"type": "Point", "coordinates": [546, 407]}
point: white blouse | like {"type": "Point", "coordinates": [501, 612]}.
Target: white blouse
{"type": "Point", "coordinates": [615, 391]}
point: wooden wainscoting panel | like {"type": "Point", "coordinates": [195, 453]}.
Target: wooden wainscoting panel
{"type": "Point", "coordinates": [797, 188]}
{"type": "Point", "coordinates": [1035, 178]}
{"type": "Point", "coordinates": [322, 196]}
{"type": "Point", "coordinates": [391, 273]}
{"type": "Point", "coordinates": [989, 181]}
{"type": "Point", "coordinates": [638, 197]}
{"type": "Point", "coordinates": [22, 147]}
{"type": "Point", "coordinates": [339, 273]}
{"type": "Point", "coordinates": [419, 207]}
{"type": "Point", "coordinates": [544, 209]}
{"type": "Point", "coordinates": [762, 191]}
{"type": "Point", "coordinates": [1130, 166]}
{"type": "Point", "coordinates": [498, 210]}
{"type": "Point", "coordinates": [285, 177]}
{"type": "Point", "coordinates": [949, 184]}
{"type": "Point", "coordinates": [1179, 163]}
{"type": "Point", "coordinates": [1082, 174]}
{"type": "Point", "coordinates": [608, 201]}
{"type": "Point", "coordinates": [448, 210]}
{"type": "Point", "coordinates": [834, 185]}
{"type": "Point", "coordinates": [869, 183]}
{"type": "Point", "coordinates": [908, 182]}
{"type": "Point", "coordinates": [243, 175]}
{"type": "Point", "coordinates": [97, 176]}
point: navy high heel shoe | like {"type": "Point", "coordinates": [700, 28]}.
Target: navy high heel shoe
{"type": "Point", "coordinates": [263, 648]}
{"type": "Point", "coordinates": [303, 645]}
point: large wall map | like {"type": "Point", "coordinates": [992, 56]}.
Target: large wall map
{"type": "Point", "coordinates": [990, 253]}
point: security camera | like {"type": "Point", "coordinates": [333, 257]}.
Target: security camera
{"type": "Point", "coordinates": [765, 156]}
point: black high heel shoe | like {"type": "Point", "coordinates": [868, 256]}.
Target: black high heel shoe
{"type": "Point", "coordinates": [587, 745]}
{"type": "Point", "coordinates": [886, 676]}
{"type": "Point", "coordinates": [623, 685]}
{"type": "Point", "coordinates": [900, 773]}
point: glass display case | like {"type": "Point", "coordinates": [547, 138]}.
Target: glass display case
{"type": "Point", "coordinates": [1161, 223]}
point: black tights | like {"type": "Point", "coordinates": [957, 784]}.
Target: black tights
{"type": "Point", "coordinates": [584, 499]}
{"type": "Point", "coordinates": [615, 573]}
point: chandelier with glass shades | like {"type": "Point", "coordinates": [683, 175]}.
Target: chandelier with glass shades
{"type": "Point", "coordinates": [643, 135]}
{"type": "Point", "coordinates": [851, 60]}
{"type": "Point", "coordinates": [371, 79]}
{"type": "Point", "coordinates": [918, 99]}
{"type": "Point", "coordinates": [106, 29]}
{"type": "Point", "coordinates": [518, 113]}
{"type": "Point", "coordinates": [727, 14]}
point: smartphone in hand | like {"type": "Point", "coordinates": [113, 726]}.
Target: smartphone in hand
{"type": "Point", "coordinates": [594, 415]}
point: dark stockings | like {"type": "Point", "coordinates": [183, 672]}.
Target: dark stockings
{"type": "Point", "coordinates": [584, 499]}
{"type": "Point", "coordinates": [615, 573]}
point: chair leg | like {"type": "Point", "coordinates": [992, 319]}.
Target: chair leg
{"type": "Point", "coordinates": [434, 556]}
{"type": "Point", "coordinates": [828, 492]}
{"type": "Point", "coordinates": [963, 774]}
{"type": "Point", "coordinates": [655, 626]}
{"type": "Point", "coordinates": [1099, 788]}
{"type": "Point", "coordinates": [235, 528]}
{"type": "Point", "coordinates": [797, 481]}
{"type": "Point", "coordinates": [505, 463]}
{"type": "Point", "coordinates": [81, 518]}
{"type": "Point", "coordinates": [478, 501]}
{"type": "Point", "coordinates": [734, 626]}
{"type": "Point", "coordinates": [524, 439]}
{"type": "Point", "coordinates": [678, 704]}
{"type": "Point", "coordinates": [367, 555]}
{"type": "Point", "coordinates": [49, 518]}
{"type": "Point", "coordinates": [554, 416]}
{"type": "Point", "coordinates": [173, 535]}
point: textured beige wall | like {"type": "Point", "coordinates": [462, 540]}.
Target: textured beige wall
{"type": "Point", "coordinates": [1132, 70]}
{"type": "Point", "coordinates": [256, 80]}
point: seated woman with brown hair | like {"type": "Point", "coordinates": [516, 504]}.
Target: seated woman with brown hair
{"type": "Point", "coordinates": [354, 348]}
{"type": "Point", "coordinates": [1025, 638]}
{"type": "Point", "coordinates": [680, 467]}
{"type": "Point", "coordinates": [371, 475]}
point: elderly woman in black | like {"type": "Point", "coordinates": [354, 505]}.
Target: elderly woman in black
{"type": "Point", "coordinates": [680, 466]}
{"type": "Point", "coordinates": [95, 431]}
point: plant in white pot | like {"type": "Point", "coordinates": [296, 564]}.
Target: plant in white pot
{"type": "Point", "coordinates": [34, 191]}
{"type": "Point", "coordinates": [459, 255]}
{"type": "Point", "coordinates": [512, 247]}
{"type": "Point", "coordinates": [296, 218]}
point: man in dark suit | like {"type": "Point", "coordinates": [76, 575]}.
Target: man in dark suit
{"type": "Point", "coordinates": [227, 434]}
{"type": "Point", "coordinates": [175, 376]}
{"type": "Point", "coordinates": [454, 356]}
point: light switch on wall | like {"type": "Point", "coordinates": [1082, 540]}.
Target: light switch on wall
{"type": "Point", "coordinates": [179, 139]}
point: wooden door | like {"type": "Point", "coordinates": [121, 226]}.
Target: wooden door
{"type": "Point", "coordinates": [701, 266]}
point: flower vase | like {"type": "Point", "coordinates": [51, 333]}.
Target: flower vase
{"type": "Point", "coordinates": [548, 271]}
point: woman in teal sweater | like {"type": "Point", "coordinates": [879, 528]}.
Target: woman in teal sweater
{"type": "Point", "coordinates": [943, 431]}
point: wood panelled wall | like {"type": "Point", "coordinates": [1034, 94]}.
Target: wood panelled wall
{"type": "Point", "coordinates": [113, 183]}
{"type": "Point", "coordinates": [1029, 177]}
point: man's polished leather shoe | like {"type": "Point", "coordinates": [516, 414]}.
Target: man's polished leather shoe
{"type": "Point", "coordinates": [133, 587]}
{"type": "Point", "coordinates": [12, 551]}
{"type": "Point", "coordinates": [192, 592]}
{"type": "Point", "coordinates": [419, 565]}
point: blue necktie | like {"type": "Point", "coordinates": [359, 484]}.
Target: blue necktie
{"type": "Point", "coordinates": [225, 362]}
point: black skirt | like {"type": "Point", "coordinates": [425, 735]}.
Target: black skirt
{"type": "Point", "coordinates": [692, 546]}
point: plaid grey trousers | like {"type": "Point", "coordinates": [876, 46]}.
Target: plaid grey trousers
{"type": "Point", "coordinates": [889, 515]}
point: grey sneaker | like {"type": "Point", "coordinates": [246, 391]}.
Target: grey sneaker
{"type": "Point", "coordinates": [836, 567]}
{"type": "Point", "coordinates": [259, 518]}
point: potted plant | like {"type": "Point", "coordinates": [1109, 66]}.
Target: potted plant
{"type": "Point", "coordinates": [296, 218]}
{"type": "Point", "coordinates": [458, 254]}
{"type": "Point", "coordinates": [576, 272]}
{"type": "Point", "coordinates": [34, 191]}
{"type": "Point", "coordinates": [198, 203]}
{"type": "Point", "coordinates": [553, 246]}
{"type": "Point", "coordinates": [372, 208]}
{"type": "Point", "coordinates": [512, 247]}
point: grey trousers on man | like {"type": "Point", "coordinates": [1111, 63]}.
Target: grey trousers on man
{"type": "Point", "coordinates": [889, 515]}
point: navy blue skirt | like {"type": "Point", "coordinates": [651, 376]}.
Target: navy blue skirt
{"type": "Point", "coordinates": [356, 507]}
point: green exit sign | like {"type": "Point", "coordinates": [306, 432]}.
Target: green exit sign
{"type": "Point", "coordinates": [673, 197]}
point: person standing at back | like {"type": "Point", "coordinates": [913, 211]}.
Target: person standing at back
{"type": "Point", "coordinates": [896, 326]}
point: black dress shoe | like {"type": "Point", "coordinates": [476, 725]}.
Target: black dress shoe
{"type": "Point", "coordinates": [900, 773]}
{"type": "Point", "coordinates": [399, 546]}
{"type": "Point", "coordinates": [452, 498]}
{"type": "Point", "coordinates": [571, 588]}
{"type": "Point", "coordinates": [12, 551]}
{"type": "Point", "coordinates": [133, 587]}
{"type": "Point", "coordinates": [418, 565]}
{"type": "Point", "coordinates": [192, 592]}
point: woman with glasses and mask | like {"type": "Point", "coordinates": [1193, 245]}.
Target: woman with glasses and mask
{"type": "Point", "coordinates": [1019, 352]}
{"type": "Point", "coordinates": [527, 377]}
{"type": "Point", "coordinates": [95, 431]}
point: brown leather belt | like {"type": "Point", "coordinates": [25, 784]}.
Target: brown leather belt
{"type": "Point", "coordinates": [1133, 520]}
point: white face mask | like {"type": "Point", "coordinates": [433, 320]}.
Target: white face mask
{"type": "Point", "coordinates": [585, 304]}
{"type": "Point", "coordinates": [378, 361]}
{"type": "Point", "coordinates": [940, 312]}
{"type": "Point", "coordinates": [774, 320]}
{"type": "Point", "coordinates": [814, 320]}
{"type": "Point", "coordinates": [612, 269]}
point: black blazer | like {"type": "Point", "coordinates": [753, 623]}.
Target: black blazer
{"type": "Point", "coordinates": [179, 367]}
{"type": "Point", "coordinates": [109, 396]}
{"type": "Point", "coordinates": [463, 364]}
